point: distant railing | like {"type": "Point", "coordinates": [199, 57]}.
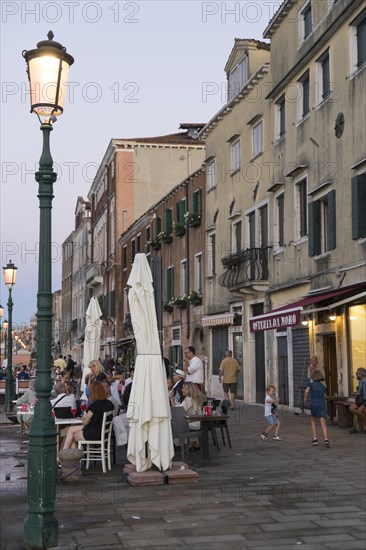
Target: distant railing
{"type": "Point", "coordinates": [244, 267]}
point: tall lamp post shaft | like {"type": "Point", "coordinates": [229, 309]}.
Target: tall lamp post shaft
{"type": "Point", "coordinates": [9, 383]}
{"type": "Point", "coordinates": [41, 527]}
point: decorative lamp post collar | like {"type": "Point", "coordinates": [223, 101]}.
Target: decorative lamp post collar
{"type": "Point", "coordinates": [48, 69]}
{"type": "Point", "coordinates": [10, 274]}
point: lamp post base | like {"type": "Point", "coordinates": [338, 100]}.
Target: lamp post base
{"type": "Point", "coordinates": [40, 531]}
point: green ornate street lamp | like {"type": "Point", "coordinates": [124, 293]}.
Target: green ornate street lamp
{"type": "Point", "coordinates": [10, 274]}
{"type": "Point", "coordinates": [47, 68]}
{"type": "Point", "coordinates": [5, 327]}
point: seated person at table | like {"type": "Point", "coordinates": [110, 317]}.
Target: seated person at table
{"type": "Point", "coordinates": [93, 419]}
{"type": "Point", "coordinates": [64, 396]}
{"type": "Point", "coordinates": [28, 397]}
{"type": "Point", "coordinates": [359, 407]}
{"type": "Point", "coordinates": [192, 402]}
{"type": "Point", "coordinates": [113, 398]}
{"type": "Point", "coordinates": [23, 374]}
{"type": "Point", "coordinates": [178, 379]}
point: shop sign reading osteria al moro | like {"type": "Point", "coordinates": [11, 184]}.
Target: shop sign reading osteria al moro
{"type": "Point", "coordinates": [269, 321]}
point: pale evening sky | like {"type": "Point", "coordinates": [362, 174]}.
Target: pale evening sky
{"type": "Point", "coordinates": [140, 69]}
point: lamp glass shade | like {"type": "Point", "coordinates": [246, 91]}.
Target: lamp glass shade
{"type": "Point", "coordinates": [1, 311]}
{"type": "Point", "coordinates": [5, 324]}
{"type": "Point", "coordinates": [47, 91]}
{"type": "Point", "coordinates": [10, 274]}
{"type": "Point", "coordinates": [48, 70]}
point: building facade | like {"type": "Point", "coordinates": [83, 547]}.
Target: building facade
{"type": "Point", "coordinates": [290, 209]}
{"type": "Point", "coordinates": [133, 175]}
{"type": "Point", "coordinates": [172, 230]}
{"type": "Point", "coordinates": [237, 215]}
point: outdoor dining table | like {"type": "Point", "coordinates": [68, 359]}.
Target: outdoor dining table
{"type": "Point", "coordinates": [207, 424]}
{"type": "Point", "coordinates": [62, 422]}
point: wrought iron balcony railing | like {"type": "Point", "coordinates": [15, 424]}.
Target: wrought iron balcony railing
{"type": "Point", "coordinates": [244, 267]}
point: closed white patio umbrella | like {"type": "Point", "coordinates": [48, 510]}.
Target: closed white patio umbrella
{"type": "Point", "coordinates": [150, 440]}
{"type": "Point", "coordinates": [92, 336]}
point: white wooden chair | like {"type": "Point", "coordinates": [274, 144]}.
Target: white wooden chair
{"type": "Point", "coordinates": [99, 450]}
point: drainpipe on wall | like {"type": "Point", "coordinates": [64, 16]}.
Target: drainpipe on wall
{"type": "Point", "coordinates": [188, 308]}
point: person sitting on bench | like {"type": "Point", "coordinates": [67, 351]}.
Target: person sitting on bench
{"type": "Point", "coordinates": [359, 407]}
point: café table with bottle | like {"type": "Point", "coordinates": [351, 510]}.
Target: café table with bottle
{"type": "Point", "coordinates": [207, 418]}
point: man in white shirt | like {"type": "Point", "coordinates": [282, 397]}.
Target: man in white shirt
{"type": "Point", "coordinates": [194, 370]}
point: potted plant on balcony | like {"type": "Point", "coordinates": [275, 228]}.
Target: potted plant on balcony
{"type": "Point", "coordinates": [165, 237]}
{"type": "Point", "coordinates": [168, 306]}
{"type": "Point", "coordinates": [179, 229]}
{"type": "Point", "coordinates": [193, 219]}
{"type": "Point", "coordinates": [155, 244]}
{"type": "Point", "coordinates": [179, 302]}
{"type": "Point", "coordinates": [194, 298]}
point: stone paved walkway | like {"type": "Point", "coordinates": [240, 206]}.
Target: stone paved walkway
{"type": "Point", "coordinates": [260, 495]}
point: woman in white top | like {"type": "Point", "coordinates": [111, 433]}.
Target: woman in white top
{"type": "Point", "coordinates": [65, 398]}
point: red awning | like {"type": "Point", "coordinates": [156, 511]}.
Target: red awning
{"type": "Point", "coordinates": [289, 315]}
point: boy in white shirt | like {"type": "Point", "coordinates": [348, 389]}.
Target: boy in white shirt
{"type": "Point", "coordinates": [270, 414]}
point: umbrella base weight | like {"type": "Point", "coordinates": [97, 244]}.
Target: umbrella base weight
{"type": "Point", "coordinates": [179, 473]}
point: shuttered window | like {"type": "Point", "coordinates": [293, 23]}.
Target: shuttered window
{"type": "Point", "coordinates": [168, 221]}
{"type": "Point", "coordinates": [180, 211]}
{"type": "Point", "coordinates": [124, 257]}
{"type": "Point", "coordinates": [359, 206]}
{"type": "Point", "coordinates": [133, 250]}
{"type": "Point", "coordinates": [361, 42]}
{"type": "Point", "coordinates": [322, 224]}
{"type": "Point", "coordinates": [169, 284]}
{"type": "Point", "coordinates": [220, 344]}
{"type": "Point", "coordinates": [281, 219]}
{"type": "Point", "coordinates": [157, 226]}
{"type": "Point", "coordinates": [197, 201]}
{"type": "Point", "coordinates": [301, 357]}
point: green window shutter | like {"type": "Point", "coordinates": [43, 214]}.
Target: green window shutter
{"type": "Point", "coordinates": [169, 284]}
{"type": "Point", "coordinates": [148, 233]}
{"type": "Point", "coordinates": [166, 284]}
{"type": "Point", "coordinates": [332, 232]}
{"type": "Point", "coordinates": [196, 201]}
{"type": "Point", "coordinates": [168, 221]}
{"type": "Point", "coordinates": [358, 206]}
{"type": "Point", "coordinates": [181, 210]}
{"type": "Point", "coordinates": [314, 228]}
{"type": "Point", "coordinates": [132, 250]}
{"type": "Point", "coordinates": [158, 226]}
{"type": "Point", "coordinates": [124, 257]}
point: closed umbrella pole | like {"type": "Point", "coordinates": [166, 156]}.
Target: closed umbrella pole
{"type": "Point", "coordinates": [150, 439]}
{"type": "Point", "coordinates": [92, 336]}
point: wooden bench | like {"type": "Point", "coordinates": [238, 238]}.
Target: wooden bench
{"type": "Point", "coordinates": [344, 416]}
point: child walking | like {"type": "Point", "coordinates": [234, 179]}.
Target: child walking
{"type": "Point", "coordinates": [317, 407]}
{"type": "Point", "coordinates": [270, 406]}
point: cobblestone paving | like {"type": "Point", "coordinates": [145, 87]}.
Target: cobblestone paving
{"type": "Point", "coordinates": [259, 495]}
